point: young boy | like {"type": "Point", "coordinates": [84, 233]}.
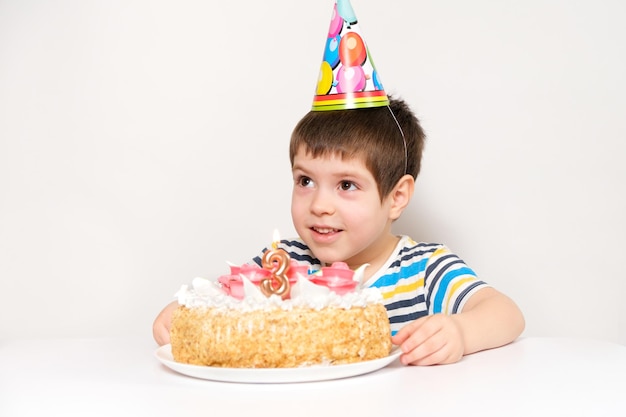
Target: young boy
{"type": "Point", "coordinates": [354, 173]}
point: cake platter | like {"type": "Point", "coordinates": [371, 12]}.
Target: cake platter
{"type": "Point", "coordinates": [275, 375]}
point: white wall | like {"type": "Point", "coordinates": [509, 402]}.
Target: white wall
{"type": "Point", "coordinates": [145, 143]}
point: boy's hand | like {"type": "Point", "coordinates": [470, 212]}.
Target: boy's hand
{"type": "Point", "coordinates": [162, 324]}
{"type": "Point", "coordinates": [430, 340]}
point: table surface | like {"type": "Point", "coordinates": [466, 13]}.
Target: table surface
{"type": "Point", "coordinates": [122, 377]}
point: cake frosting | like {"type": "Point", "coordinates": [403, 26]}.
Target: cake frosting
{"type": "Point", "coordinates": [305, 293]}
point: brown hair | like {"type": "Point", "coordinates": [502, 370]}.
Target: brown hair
{"type": "Point", "coordinates": [371, 134]}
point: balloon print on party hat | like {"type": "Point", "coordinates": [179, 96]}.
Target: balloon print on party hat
{"type": "Point", "coordinates": [347, 78]}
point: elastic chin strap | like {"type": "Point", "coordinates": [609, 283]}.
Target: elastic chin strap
{"type": "Point", "coordinates": [406, 152]}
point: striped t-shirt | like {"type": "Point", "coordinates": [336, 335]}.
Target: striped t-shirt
{"type": "Point", "coordinates": [418, 279]}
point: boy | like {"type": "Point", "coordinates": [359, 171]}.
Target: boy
{"type": "Point", "coordinates": [354, 173]}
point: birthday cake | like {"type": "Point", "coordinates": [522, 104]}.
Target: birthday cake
{"type": "Point", "coordinates": [246, 320]}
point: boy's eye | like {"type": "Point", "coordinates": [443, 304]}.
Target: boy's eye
{"type": "Point", "coordinates": [304, 181]}
{"type": "Point", "coordinates": [347, 186]}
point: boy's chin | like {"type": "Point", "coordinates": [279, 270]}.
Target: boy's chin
{"type": "Point", "coordinates": [326, 256]}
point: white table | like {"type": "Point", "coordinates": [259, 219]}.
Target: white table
{"type": "Point", "coordinates": [122, 377]}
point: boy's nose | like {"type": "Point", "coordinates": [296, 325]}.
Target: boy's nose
{"type": "Point", "coordinates": [322, 204]}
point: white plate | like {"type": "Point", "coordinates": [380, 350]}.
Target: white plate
{"type": "Point", "coordinates": [275, 375]}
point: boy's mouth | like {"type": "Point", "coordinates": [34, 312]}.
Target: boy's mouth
{"type": "Point", "coordinates": [324, 230]}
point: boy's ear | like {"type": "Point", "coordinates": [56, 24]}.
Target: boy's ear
{"type": "Point", "coordinates": [401, 196]}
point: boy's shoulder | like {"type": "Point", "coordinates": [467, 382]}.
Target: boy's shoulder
{"type": "Point", "coordinates": [407, 243]}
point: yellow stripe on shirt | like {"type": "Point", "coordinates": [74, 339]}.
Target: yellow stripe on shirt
{"type": "Point", "coordinates": [404, 288]}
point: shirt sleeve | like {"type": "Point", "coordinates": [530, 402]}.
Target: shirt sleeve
{"type": "Point", "coordinates": [448, 282]}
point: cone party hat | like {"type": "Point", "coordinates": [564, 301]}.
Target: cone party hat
{"type": "Point", "coordinates": [347, 77]}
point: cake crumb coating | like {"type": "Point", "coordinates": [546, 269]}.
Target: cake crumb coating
{"type": "Point", "coordinates": [279, 338]}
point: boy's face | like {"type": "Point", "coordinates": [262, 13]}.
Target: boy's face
{"type": "Point", "coordinates": [337, 211]}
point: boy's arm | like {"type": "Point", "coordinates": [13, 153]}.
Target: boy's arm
{"type": "Point", "coordinates": [163, 323]}
{"type": "Point", "coordinates": [489, 319]}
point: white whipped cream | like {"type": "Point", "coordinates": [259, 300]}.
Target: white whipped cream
{"type": "Point", "coordinates": [304, 293]}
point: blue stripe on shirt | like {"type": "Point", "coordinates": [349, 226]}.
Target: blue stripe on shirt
{"type": "Point", "coordinates": [436, 277]}
{"type": "Point", "coordinates": [414, 269]}
{"type": "Point", "coordinates": [443, 286]}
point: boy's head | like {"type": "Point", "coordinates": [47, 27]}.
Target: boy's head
{"type": "Point", "coordinates": [369, 134]}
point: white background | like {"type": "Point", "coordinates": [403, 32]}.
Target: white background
{"type": "Point", "coordinates": [143, 143]}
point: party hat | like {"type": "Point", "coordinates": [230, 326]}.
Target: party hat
{"type": "Point", "coordinates": [347, 78]}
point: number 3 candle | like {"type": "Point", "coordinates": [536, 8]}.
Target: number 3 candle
{"type": "Point", "coordinates": [276, 260]}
